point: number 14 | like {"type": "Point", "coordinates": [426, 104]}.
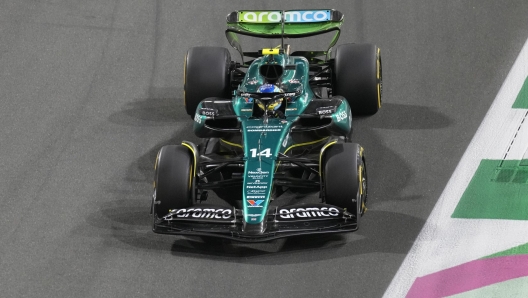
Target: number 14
{"type": "Point", "coordinates": [266, 152]}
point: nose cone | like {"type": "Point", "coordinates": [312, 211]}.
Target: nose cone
{"type": "Point", "coordinates": [254, 229]}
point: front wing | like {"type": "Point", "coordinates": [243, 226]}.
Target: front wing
{"type": "Point", "coordinates": [283, 221]}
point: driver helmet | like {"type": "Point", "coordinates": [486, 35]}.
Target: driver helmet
{"type": "Point", "coordinates": [269, 88]}
{"type": "Point", "coordinates": [274, 104]}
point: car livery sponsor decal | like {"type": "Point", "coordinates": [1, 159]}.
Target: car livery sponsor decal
{"type": "Point", "coordinates": [341, 116]}
{"type": "Point", "coordinates": [211, 213]}
{"type": "Point", "coordinates": [292, 16]}
{"type": "Point", "coordinates": [325, 111]}
{"type": "Point", "coordinates": [256, 191]}
{"type": "Point", "coordinates": [294, 81]}
{"type": "Point", "coordinates": [264, 128]}
{"type": "Point", "coordinates": [208, 112]}
{"type": "Point", "coordinates": [286, 138]}
{"type": "Point", "coordinates": [257, 187]}
{"type": "Point", "coordinates": [258, 174]}
{"type": "Point", "coordinates": [255, 203]}
{"type": "Point", "coordinates": [198, 118]}
{"type": "Point", "coordinates": [309, 212]}
{"type": "Point", "coordinates": [257, 182]}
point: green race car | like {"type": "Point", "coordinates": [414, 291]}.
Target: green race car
{"type": "Point", "coordinates": [277, 122]}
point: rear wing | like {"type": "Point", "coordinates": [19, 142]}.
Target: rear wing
{"type": "Point", "coordinates": [282, 24]}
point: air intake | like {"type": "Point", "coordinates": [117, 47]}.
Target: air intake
{"type": "Point", "coordinates": [271, 72]}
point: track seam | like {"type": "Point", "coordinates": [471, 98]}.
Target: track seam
{"type": "Point", "coordinates": [513, 140]}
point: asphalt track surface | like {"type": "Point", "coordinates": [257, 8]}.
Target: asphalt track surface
{"type": "Point", "coordinates": [91, 89]}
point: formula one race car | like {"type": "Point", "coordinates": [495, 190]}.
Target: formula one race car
{"type": "Point", "coordinates": [267, 129]}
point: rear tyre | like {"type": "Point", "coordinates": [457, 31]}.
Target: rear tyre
{"type": "Point", "coordinates": [174, 180]}
{"type": "Point", "coordinates": [357, 77]}
{"type": "Point", "coordinates": [206, 74]}
{"type": "Point", "coordinates": [345, 178]}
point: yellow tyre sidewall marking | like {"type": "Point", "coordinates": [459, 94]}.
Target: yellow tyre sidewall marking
{"type": "Point", "coordinates": [192, 171]}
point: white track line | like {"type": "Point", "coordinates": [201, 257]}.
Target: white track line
{"type": "Point", "coordinates": [444, 241]}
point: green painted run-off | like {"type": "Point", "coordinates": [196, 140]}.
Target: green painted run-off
{"type": "Point", "coordinates": [498, 190]}
{"type": "Point", "coordinates": [518, 250]}
{"type": "Point", "coordinates": [522, 98]}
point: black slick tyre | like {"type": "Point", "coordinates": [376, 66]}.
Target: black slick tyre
{"type": "Point", "coordinates": [345, 179]}
{"type": "Point", "coordinates": [357, 77]}
{"type": "Point", "coordinates": [206, 74]}
{"type": "Point", "coordinates": [174, 179]}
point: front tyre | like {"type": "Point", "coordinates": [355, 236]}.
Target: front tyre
{"type": "Point", "coordinates": [345, 178]}
{"type": "Point", "coordinates": [174, 179]}
{"type": "Point", "coordinates": [357, 77]}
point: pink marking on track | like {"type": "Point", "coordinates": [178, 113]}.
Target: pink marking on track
{"type": "Point", "coordinates": [469, 276]}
